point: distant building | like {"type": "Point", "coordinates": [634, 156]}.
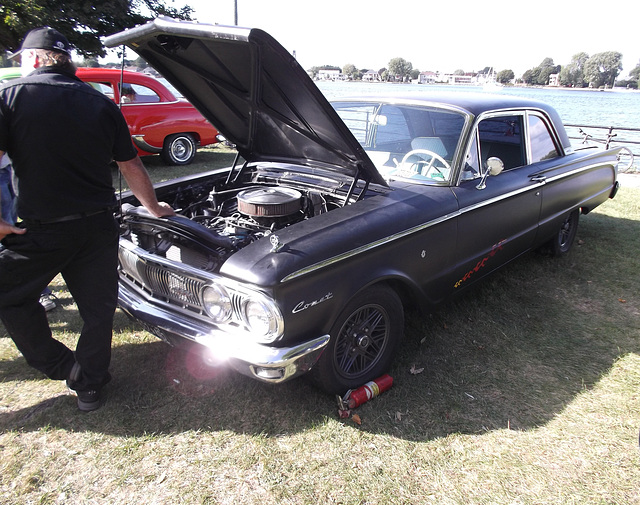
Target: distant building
{"type": "Point", "coordinates": [427, 77]}
{"type": "Point", "coordinates": [462, 79]}
{"type": "Point", "coordinates": [371, 75]}
{"type": "Point", "coordinates": [329, 75]}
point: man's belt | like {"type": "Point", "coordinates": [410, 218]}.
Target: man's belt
{"type": "Point", "coordinates": [70, 217]}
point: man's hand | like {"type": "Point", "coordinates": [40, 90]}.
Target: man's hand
{"type": "Point", "coordinates": [7, 229]}
{"type": "Point", "coordinates": [163, 209]}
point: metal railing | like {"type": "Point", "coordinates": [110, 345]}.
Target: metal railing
{"type": "Point", "coordinates": [607, 136]}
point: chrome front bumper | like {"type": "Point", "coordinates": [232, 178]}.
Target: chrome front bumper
{"type": "Point", "coordinates": [259, 361]}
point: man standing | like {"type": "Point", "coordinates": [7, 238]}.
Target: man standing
{"type": "Point", "coordinates": [62, 136]}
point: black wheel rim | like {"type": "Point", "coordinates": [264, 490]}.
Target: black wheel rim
{"type": "Point", "coordinates": [362, 341]}
{"type": "Point", "coordinates": [566, 232]}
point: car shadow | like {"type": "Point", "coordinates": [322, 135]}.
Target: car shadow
{"type": "Point", "coordinates": [468, 367]}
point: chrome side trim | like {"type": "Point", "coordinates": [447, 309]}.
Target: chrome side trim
{"type": "Point", "coordinates": [367, 247]}
{"type": "Point", "coordinates": [536, 184]}
{"type": "Point", "coordinates": [139, 141]}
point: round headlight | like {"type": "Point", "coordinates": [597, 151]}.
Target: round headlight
{"type": "Point", "coordinates": [262, 318]}
{"type": "Point", "coordinates": [217, 303]}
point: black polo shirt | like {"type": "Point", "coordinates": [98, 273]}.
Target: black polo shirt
{"type": "Point", "coordinates": [61, 135]}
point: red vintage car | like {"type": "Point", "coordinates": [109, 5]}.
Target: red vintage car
{"type": "Point", "coordinates": [160, 122]}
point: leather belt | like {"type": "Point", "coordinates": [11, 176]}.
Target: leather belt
{"type": "Point", "coordinates": [70, 217]}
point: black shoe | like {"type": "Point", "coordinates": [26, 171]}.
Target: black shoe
{"type": "Point", "coordinates": [89, 401]}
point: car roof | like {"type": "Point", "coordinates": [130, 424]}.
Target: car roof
{"type": "Point", "coordinates": [471, 103]}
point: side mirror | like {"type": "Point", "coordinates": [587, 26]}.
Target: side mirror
{"type": "Point", "coordinates": [495, 166]}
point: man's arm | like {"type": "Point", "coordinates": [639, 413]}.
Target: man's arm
{"type": "Point", "coordinates": [6, 228]}
{"type": "Point", "coordinates": [138, 180]}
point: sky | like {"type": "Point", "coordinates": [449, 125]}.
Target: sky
{"type": "Point", "coordinates": [442, 35]}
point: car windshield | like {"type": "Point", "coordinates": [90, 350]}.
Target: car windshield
{"type": "Point", "coordinates": [409, 142]}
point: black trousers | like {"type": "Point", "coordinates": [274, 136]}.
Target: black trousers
{"type": "Point", "coordinates": [85, 252]}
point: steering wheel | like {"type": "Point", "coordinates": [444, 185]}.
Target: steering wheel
{"type": "Point", "coordinates": [429, 164]}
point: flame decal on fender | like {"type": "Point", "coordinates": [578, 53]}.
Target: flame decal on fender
{"type": "Point", "coordinates": [481, 264]}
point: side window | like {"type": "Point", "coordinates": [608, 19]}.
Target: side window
{"type": "Point", "coordinates": [471, 169]}
{"type": "Point", "coordinates": [502, 137]}
{"type": "Point", "coordinates": [136, 93]}
{"type": "Point", "coordinates": [104, 87]}
{"type": "Point", "coordinates": [542, 145]}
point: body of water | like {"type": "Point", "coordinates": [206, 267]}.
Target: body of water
{"type": "Point", "coordinates": [585, 107]}
{"type": "Point", "coordinates": [620, 109]}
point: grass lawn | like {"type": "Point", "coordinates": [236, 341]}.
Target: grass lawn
{"type": "Point", "coordinates": [529, 393]}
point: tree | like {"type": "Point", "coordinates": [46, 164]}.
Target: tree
{"type": "Point", "coordinates": [83, 22]}
{"type": "Point", "coordinates": [635, 75]}
{"type": "Point", "coordinates": [573, 73]}
{"type": "Point", "coordinates": [350, 71]}
{"type": "Point", "coordinates": [505, 76]}
{"type": "Point", "coordinates": [540, 74]}
{"type": "Point", "coordinates": [603, 68]}
{"type": "Point", "coordinates": [399, 67]}
{"type": "Point", "coordinates": [547, 67]}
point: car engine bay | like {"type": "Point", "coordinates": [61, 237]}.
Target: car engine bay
{"type": "Point", "coordinates": [215, 220]}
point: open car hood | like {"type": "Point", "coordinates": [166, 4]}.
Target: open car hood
{"type": "Point", "coordinates": [253, 91]}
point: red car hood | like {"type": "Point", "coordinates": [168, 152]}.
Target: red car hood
{"type": "Point", "coordinates": [253, 91]}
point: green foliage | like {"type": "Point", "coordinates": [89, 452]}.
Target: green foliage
{"type": "Point", "coordinates": [573, 73]}
{"type": "Point", "coordinates": [83, 22]}
{"type": "Point", "coordinates": [540, 74]}
{"type": "Point", "coordinates": [352, 72]}
{"type": "Point", "coordinates": [400, 68]}
{"type": "Point", "coordinates": [633, 80]}
{"type": "Point", "coordinates": [505, 76]}
{"type": "Point", "coordinates": [603, 68]}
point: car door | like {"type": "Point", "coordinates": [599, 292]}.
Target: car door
{"type": "Point", "coordinates": [499, 221]}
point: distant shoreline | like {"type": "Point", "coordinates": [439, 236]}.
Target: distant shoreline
{"type": "Point", "coordinates": [473, 86]}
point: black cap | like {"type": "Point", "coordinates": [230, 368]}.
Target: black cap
{"type": "Point", "coordinates": [45, 38]}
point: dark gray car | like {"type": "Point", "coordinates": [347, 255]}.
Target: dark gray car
{"type": "Point", "coordinates": [302, 256]}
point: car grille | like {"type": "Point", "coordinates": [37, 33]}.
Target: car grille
{"type": "Point", "coordinates": [160, 282]}
{"type": "Point", "coordinates": [171, 285]}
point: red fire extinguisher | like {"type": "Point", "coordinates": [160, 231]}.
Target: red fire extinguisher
{"type": "Point", "coordinates": [370, 390]}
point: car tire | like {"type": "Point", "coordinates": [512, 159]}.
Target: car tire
{"type": "Point", "coordinates": [364, 339]}
{"type": "Point", "coordinates": [179, 149]}
{"type": "Point", "coordinates": [562, 242]}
